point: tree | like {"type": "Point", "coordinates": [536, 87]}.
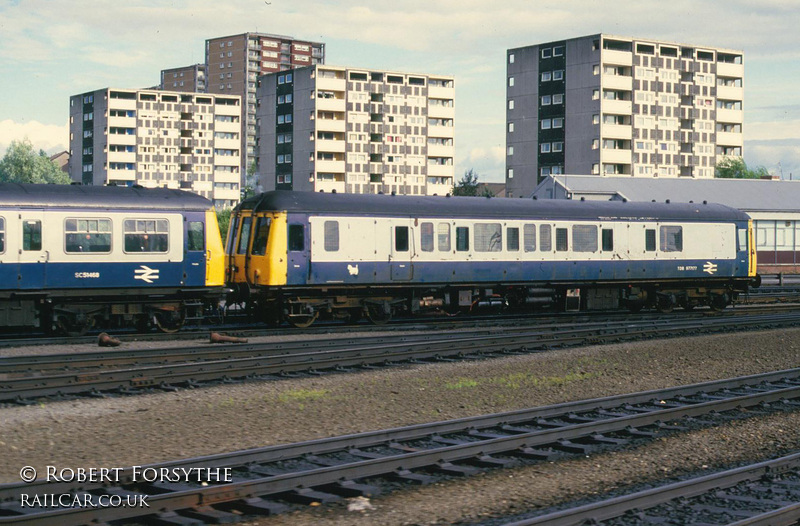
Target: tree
{"type": "Point", "coordinates": [468, 185]}
{"type": "Point", "coordinates": [224, 220]}
{"type": "Point", "coordinates": [735, 168]}
{"type": "Point", "coordinates": [22, 165]}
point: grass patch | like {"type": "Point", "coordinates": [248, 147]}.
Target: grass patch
{"type": "Point", "coordinates": [300, 395]}
{"type": "Point", "coordinates": [518, 380]}
{"type": "Point", "coordinates": [461, 383]}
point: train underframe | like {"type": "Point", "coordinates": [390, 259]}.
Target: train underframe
{"type": "Point", "coordinates": [302, 307]}
{"type": "Point", "coordinates": [74, 313]}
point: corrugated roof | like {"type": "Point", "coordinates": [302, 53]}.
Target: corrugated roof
{"type": "Point", "coordinates": [744, 194]}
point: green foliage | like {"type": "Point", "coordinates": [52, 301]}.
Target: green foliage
{"type": "Point", "coordinates": [468, 185]}
{"type": "Point", "coordinates": [735, 168]}
{"type": "Point", "coordinates": [22, 164]}
{"type": "Point", "coordinates": [224, 219]}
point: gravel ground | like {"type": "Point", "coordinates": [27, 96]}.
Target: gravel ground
{"type": "Point", "coordinates": [166, 426]}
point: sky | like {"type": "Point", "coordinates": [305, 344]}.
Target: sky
{"type": "Point", "coordinates": [50, 50]}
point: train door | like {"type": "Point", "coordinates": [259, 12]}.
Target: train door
{"type": "Point", "coordinates": [194, 254]}
{"type": "Point", "coordinates": [400, 264]}
{"type": "Point", "coordinates": [33, 256]}
{"type": "Point", "coordinates": [258, 262]}
{"type": "Point", "coordinates": [299, 248]}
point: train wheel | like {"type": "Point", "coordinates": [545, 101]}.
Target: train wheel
{"type": "Point", "coordinates": [301, 321]}
{"type": "Point", "coordinates": [634, 305]}
{"type": "Point", "coordinates": [72, 325]}
{"type": "Point", "coordinates": [718, 302]}
{"type": "Point", "coordinates": [665, 304]}
{"type": "Point", "coordinates": [169, 321]}
{"type": "Point", "coordinates": [379, 314]}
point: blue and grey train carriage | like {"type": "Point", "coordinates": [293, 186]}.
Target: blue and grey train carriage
{"type": "Point", "coordinates": [75, 256]}
{"type": "Point", "coordinates": [294, 255]}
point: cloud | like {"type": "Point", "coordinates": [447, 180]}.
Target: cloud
{"type": "Point", "coordinates": [47, 137]}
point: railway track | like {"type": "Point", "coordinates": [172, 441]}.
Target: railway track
{"type": "Point", "coordinates": [766, 493]}
{"type": "Point", "coordinates": [98, 375]}
{"type": "Point", "coordinates": [266, 480]}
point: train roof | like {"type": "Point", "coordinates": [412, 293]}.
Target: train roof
{"type": "Point", "coordinates": [16, 195]}
{"type": "Point", "coordinates": [490, 208]}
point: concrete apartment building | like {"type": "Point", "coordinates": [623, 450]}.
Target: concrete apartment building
{"type": "Point", "coordinates": [190, 79]}
{"type": "Point", "coordinates": [620, 106]}
{"type": "Point", "coordinates": [233, 64]}
{"type": "Point", "coordinates": [153, 138]}
{"type": "Point", "coordinates": [341, 129]}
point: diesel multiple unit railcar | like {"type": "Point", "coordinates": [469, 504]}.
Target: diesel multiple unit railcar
{"type": "Point", "coordinates": [73, 256]}
{"type": "Point", "coordinates": [296, 255]}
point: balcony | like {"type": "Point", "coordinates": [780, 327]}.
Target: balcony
{"type": "Point", "coordinates": [332, 125]}
{"type": "Point", "coordinates": [617, 58]}
{"type": "Point", "coordinates": [729, 139]}
{"type": "Point", "coordinates": [441, 131]}
{"type": "Point", "coordinates": [617, 107]}
{"type": "Point", "coordinates": [730, 93]}
{"type": "Point", "coordinates": [615, 156]}
{"type": "Point", "coordinates": [226, 193]}
{"type": "Point", "coordinates": [330, 145]}
{"type": "Point", "coordinates": [441, 150]}
{"type": "Point", "coordinates": [725, 69]}
{"type": "Point", "coordinates": [616, 131]}
{"type": "Point", "coordinates": [230, 144]}
{"type": "Point", "coordinates": [329, 166]}
{"type": "Point", "coordinates": [734, 116]}
{"type": "Point", "coordinates": [441, 170]}
{"type": "Point", "coordinates": [328, 186]}
{"type": "Point", "coordinates": [439, 92]}
{"type": "Point", "coordinates": [121, 157]}
{"type": "Point", "coordinates": [440, 188]}
{"type": "Point", "coordinates": [332, 84]}
{"type": "Point", "coordinates": [331, 104]}
{"type": "Point", "coordinates": [617, 82]}
{"type": "Point", "coordinates": [226, 177]}
{"type": "Point", "coordinates": [441, 112]}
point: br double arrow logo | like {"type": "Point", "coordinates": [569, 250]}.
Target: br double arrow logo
{"type": "Point", "coordinates": [146, 274]}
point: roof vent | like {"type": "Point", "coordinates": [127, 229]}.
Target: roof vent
{"type": "Point", "coordinates": [690, 201]}
{"type": "Point", "coordinates": [653, 201]}
{"type": "Point", "coordinates": [393, 192]}
{"type": "Point", "coordinates": [333, 191]}
{"type": "Point", "coordinates": [534, 198]}
{"type": "Point", "coordinates": [583, 199]}
{"type": "Point", "coordinates": [624, 199]}
{"type": "Point", "coordinates": [667, 201]}
{"type": "Point", "coordinates": [447, 195]}
{"type": "Point", "coordinates": [705, 202]}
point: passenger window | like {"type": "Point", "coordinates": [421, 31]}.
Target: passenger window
{"type": "Point", "coordinates": [244, 236]}
{"type": "Point", "coordinates": [488, 237]}
{"type": "Point", "coordinates": [608, 239]}
{"type": "Point", "coordinates": [331, 236]}
{"type": "Point", "coordinates": [444, 237]}
{"type": "Point", "coordinates": [297, 242]}
{"type": "Point", "coordinates": [196, 239]}
{"type": "Point", "coordinates": [671, 238]}
{"type": "Point", "coordinates": [512, 239]}
{"type": "Point", "coordinates": [146, 235]}
{"type": "Point", "coordinates": [261, 236]}
{"type": "Point", "coordinates": [401, 239]}
{"type": "Point", "coordinates": [87, 235]}
{"type": "Point", "coordinates": [462, 238]}
{"type": "Point", "coordinates": [584, 238]}
{"type": "Point", "coordinates": [561, 240]}
{"type": "Point", "coordinates": [2, 234]}
{"type": "Point", "coordinates": [650, 240]}
{"type": "Point", "coordinates": [545, 238]}
{"type": "Point", "coordinates": [529, 237]}
{"type": "Point", "coordinates": [426, 237]}
{"type": "Point", "coordinates": [32, 235]}
{"type": "Point", "coordinates": [741, 240]}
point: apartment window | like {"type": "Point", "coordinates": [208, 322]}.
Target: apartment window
{"type": "Point", "coordinates": [596, 94]}
{"type": "Point", "coordinates": [547, 124]}
{"type": "Point", "coordinates": [558, 74]}
{"type": "Point", "coordinates": [596, 119]}
{"type": "Point", "coordinates": [544, 147]}
{"type": "Point", "coordinates": [558, 146]}
{"type": "Point", "coordinates": [510, 127]}
{"type": "Point", "coordinates": [596, 69]}
{"type": "Point", "coordinates": [558, 122]}
{"type": "Point", "coordinates": [595, 144]}
{"type": "Point", "coordinates": [546, 76]}
{"type": "Point", "coordinates": [558, 98]}
{"type": "Point", "coordinates": [510, 81]}
{"type": "Point", "coordinates": [511, 58]}
{"type": "Point", "coordinates": [510, 173]}
{"type": "Point", "coordinates": [595, 168]}
{"type": "Point", "coordinates": [510, 150]}
{"type": "Point", "coordinates": [511, 104]}
{"type": "Point", "coordinates": [558, 51]}
{"type": "Point", "coordinates": [547, 52]}
{"type": "Point", "coordinates": [546, 100]}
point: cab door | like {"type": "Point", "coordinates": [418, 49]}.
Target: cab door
{"type": "Point", "coordinates": [33, 256]}
{"type": "Point", "coordinates": [299, 268]}
{"type": "Point", "coordinates": [401, 267]}
{"type": "Point", "coordinates": [194, 259]}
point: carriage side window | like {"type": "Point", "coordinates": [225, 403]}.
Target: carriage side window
{"type": "Point", "coordinates": [87, 235]}
{"type": "Point", "coordinates": [671, 238]}
{"type": "Point", "coordinates": [331, 236]}
{"type": "Point", "coordinates": [545, 238]}
{"type": "Point", "coordinates": [512, 239]}
{"type": "Point", "coordinates": [462, 238]}
{"type": "Point", "coordinates": [32, 235]}
{"type": "Point", "coordinates": [297, 242]}
{"type": "Point", "coordinates": [196, 236]}
{"type": "Point", "coordinates": [146, 235]}
{"type": "Point", "coordinates": [443, 235]}
{"type": "Point", "coordinates": [401, 239]}
{"type": "Point", "coordinates": [608, 239]}
{"type": "Point", "coordinates": [650, 240]}
{"type": "Point", "coordinates": [2, 234]}
{"type": "Point", "coordinates": [584, 238]}
{"type": "Point", "coordinates": [562, 243]}
{"type": "Point", "coordinates": [741, 239]}
{"type": "Point", "coordinates": [244, 236]}
{"type": "Point", "coordinates": [529, 237]}
{"type": "Point", "coordinates": [426, 237]}
{"type": "Point", "coordinates": [488, 237]}
{"type": "Point", "coordinates": [261, 236]}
